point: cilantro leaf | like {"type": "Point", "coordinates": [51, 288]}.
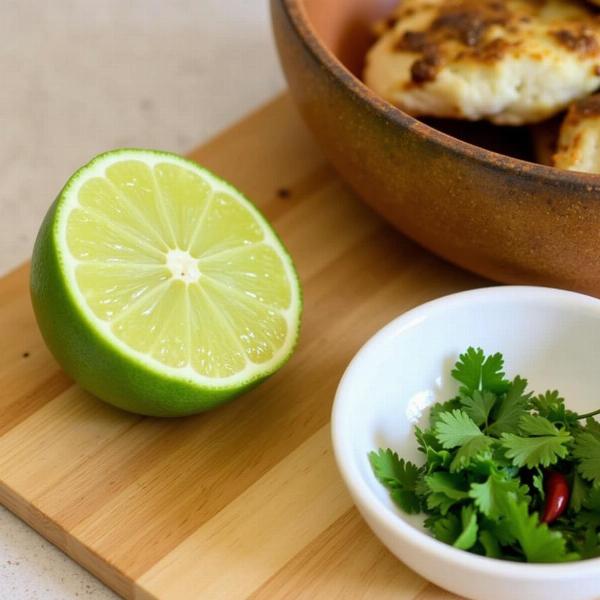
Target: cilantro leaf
{"type": "Point", "coordinates": [490, 544]}
{"type": "Point", "coordinates": [587, 450]}
{"type": "Point", "coordinates": [552, 406]}
{"type": "Point", "coordinates": [468, 537]}
{"type": "Point", "coordinates": [531, 452]}
{"type": "Point", "coordinates": [421, 488]}
{"type": "Point", "coordinates": [547, 403]}
{"type": "Point", "coordinates": [587, 519]}
{"type": "Point", "coordinates": [544, 446]}
{"type": "Point", "coordinates": [392, 471]}
{"type": "Point", "coordinates": [441, 407]}
{"type": "Point", "coordinates": [453, 486]}
{"type": "Point", "coordinates": [474, 449]}
{"type": "Point", "coordinates": [456, 428]}
{"type": "Point", "coordinates": [499, 530]}
{"type": "Point", "coordinates": [590, 546]}
{"type": "Point", "coordinates": [436, 456]}
{"type": "Point", "coordinates": [502, 462]}
{"type": "Point", "coordinates": [491, 496]}
{"type": "Point", "coordinates": [536, 425]}
{"type": "Point", "coordinates": [426, 439]}
{"type": "Point", "coordinates": [407, 500]}
{"type": "Point", "coordinates": [592, 426]}
{"type": "Point", "coordinates": [538, 483]}
{"type": "Point", "coordinates": [476, 372]}
{"type": "Point", "coordinates": [510, 409]}
{"type": "Point", "coordinates": [445, 529]}
{"type": "Point", "coordinates": [478, 406]}
{"type": "Point", "coordinates": [579, 491]}
{"type": "Point", "coordinates": [492, 375]}
{"type": "Point", "coordinates": [399, 476]}
{"type": "Point", "coordinates": [539, 544]}
{"type": "Point", "coordinates": [446, 491]}
{"type": "Point", "coordinates": [484, 464]}
{"type": "Point", "coordinates": [590, 517]}
{"type": "Point", "coordinates": [592, 500]}
{"type": "Point", "coordinates": [440, 502]}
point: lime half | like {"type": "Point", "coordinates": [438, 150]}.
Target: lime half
{"type": "Point", "coordinates": [159, 287]}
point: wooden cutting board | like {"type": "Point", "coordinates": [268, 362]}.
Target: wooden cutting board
{"type": "Point", "coordinates": [244, 501]}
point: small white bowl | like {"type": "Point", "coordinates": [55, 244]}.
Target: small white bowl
{"type": "Point", "coordinates": [551, 337]}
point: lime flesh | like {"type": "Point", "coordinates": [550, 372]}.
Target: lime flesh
{"type": "Point", "coordinates": [160, 288]}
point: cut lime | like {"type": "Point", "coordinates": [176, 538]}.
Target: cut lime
{"type": "Point", "coordinates": [159, 287]}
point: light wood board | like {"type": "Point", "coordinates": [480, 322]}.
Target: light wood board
{"type": "Point", "coordinates": [244, 501]}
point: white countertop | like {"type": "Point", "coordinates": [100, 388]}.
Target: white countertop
{"type": "Point", "coordinates": [81, 77]}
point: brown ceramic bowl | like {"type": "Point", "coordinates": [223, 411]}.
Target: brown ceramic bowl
{"type": "Point", "coordinates": [500, 216]}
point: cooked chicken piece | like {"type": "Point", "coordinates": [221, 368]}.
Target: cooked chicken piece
{"type": "Point", "coordinates": [509, 61]}
{"type": "Point", "coordinates": [579, 138]}
{"type": "Point", "coordinates": [544, 137]}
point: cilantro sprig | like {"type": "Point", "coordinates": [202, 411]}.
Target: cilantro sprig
{"type": "Point", "coordinates": [489, 453]}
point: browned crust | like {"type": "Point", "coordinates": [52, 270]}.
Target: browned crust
{"type": "Point", "coordinates": [468, 21]}
{"type": "Point", "coordinates": [585, 108]}
{"type": "Point", "coordinates": [465, 23]}
{"type": "Point", "coordinates": [462, 29]}
{"type": "Point", "coordinates": [581, 40]}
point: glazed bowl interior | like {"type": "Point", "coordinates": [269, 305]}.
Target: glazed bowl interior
{"type": "Point", "coordinates": [547, 336]}
{"type": "Point", "coordinates": [345, 28]}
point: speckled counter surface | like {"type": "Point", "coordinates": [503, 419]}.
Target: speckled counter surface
{"type": "Point", "coordinates": [79, 78]}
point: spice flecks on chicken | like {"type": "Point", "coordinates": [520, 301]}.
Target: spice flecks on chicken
{"type": "Point", "coordinates": [512, 62]}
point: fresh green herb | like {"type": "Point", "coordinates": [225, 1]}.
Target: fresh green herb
{"type": "Point", "coordinates": [478, 406]}
{"type": "Point", "coordinates": [492, 456]}
{"type": "Point", "coordinates": [511, 407]}
{"type": "Point", "coordinates": [541, 443]}
{"type": "Point", "coordinates": [478, 373]}
{"type": "Point", "coordinates": [399, 476]}
{"type": "Point", "coordinates": [536, 541]}
{"type": "Point", "coordinates": [587, 450]}
{"type": "Point", "coordinates": [490, 496]}
{"type": "Point", "coordinates": [468, 537]}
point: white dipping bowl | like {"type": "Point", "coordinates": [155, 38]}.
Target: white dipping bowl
{"type": "Point", "coordinates": [551, 337]}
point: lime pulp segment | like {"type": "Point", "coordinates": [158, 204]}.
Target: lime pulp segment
{"type": "Point", "coordinates": [177, 269]}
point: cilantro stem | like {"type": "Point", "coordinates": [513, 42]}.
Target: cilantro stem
{"type": "Point", "coordinates": [588, 415]}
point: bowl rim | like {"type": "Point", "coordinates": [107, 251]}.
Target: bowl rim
{"type": "Point", "coordinates": [365, 497]}
{"type": "Point", "coordinates": [297, 16]}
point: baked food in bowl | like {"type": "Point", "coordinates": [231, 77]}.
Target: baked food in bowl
{"type": "Point", "coordinates": [476, 201]}
{"type": "Point", "coordinates": [513, 62]}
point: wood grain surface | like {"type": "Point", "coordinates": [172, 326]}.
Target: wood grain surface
{"type": "Point", "coordinates": [245, 501]}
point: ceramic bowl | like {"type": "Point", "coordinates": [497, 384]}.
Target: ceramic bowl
{"type": "Point", "coordinates": [548, 336]}
{"type": "Point", "coordinates": [500, 216]}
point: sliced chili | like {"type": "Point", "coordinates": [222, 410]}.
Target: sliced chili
{"type": "Point", "coordinates": [557, 496]}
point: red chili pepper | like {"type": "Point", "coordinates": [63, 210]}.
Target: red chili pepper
{"type": "Point", "coordinates": [557, 496]}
